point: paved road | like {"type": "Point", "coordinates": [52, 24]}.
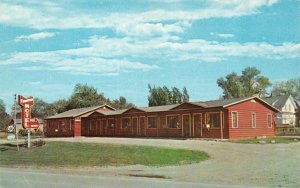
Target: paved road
{"type": "Point", "coordinates": [273, 165]}
{"type": "Point", "coordinates": [10, 177]}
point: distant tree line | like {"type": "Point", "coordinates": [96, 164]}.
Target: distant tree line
{"type": "Point", "coordinates": [249, 83]}
{"type": "Point", "coordinates": [83, 96]}
{"type": "Point", "coordinates": [164, 96]}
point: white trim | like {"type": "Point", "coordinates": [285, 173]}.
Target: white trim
{"type": "Point", "coordinates": [237, 120]}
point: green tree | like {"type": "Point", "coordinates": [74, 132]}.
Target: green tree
{"type": "Point", "coordinates": [4, 117]}
{"type": "Point", "coordinates": [253, 83]}
{"type": "Point", "coordinates": [40, 108]}
{"type": "Point", "coordinates": [186, 96]}
{"type": "Point", "coordinates": [231, 85]}
{"type": "Point", "coordinates": [177, 96]}
{"type": "Point", "coordinates": [291, 87]}
{"type": "Point", "coordinates": [248, 84]}
{"type": "Point", "coordinates": [85, 96]}
{"type": "Point", "coordinates": [164, 96]}
{"type": "Point", "coordinates": [121, 103]}
{"type": "Point", "coordinates": [58, 106]}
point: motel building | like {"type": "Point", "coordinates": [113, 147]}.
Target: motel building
{"type": "Point", "coordinates": [219, 119]}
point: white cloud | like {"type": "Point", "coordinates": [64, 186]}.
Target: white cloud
{"type": "Point", "coordinates": [35, 36]}
{"type": "Point", "coordinates": [76, 62]}
{"type": "Point", "coordinates": [222, 35]}
{"type": "Point", "coordinates": [111, 56]}
{"type": "Point", "coordinates": [149, 22]}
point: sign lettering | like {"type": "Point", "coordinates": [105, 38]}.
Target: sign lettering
{"type": "Point", "coordinates": [26, 105]}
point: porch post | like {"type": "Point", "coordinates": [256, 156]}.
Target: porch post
{"type": "Point", "coordinates": [221, 123]}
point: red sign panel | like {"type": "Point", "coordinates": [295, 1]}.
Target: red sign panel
{"type": "Point", "coordinates": [26, 104]}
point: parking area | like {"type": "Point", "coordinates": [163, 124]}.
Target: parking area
{"type": "Point", "coordinates": [274, 165]}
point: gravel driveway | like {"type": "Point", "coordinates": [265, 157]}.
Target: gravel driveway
{"type": "Point", "coordinates": [272, 165]}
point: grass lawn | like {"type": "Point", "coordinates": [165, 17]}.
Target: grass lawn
{"type": "Point", "coordinates": [64, 154]}
{"type": "Point", "coordinates": [285, 140]}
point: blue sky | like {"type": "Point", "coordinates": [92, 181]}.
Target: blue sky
{"type": "Point", "coordinates": [119, 47]}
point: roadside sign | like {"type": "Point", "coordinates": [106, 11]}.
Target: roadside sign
{"type": "Point", "coordinates": [26, 104]}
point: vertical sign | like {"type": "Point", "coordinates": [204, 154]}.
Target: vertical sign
{"type": "Point", "coordinates": [26, 104]}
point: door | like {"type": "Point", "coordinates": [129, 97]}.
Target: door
{"type": "Point", "coordinates": [135, 127]}
{"type": "Point", "coordinates": [99, 131]}
{"type": "Point", "coordinates": [85, 127]}
{"type": "Point", "coordinates": [186, 125]}
{"type": "Point", "coordinates": [142, 129]}
{"type": "Point", "coordinates": [197, 125]}
{"type": "Point", "coordinates": [104, 127]}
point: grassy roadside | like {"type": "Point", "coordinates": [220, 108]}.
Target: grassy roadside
{"type": "Point", "coordinates": [284, 140]}
{"type": "Point", "coordinates": [56, 154]}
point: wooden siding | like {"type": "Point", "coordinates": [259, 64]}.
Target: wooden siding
{"type": "Point", "coordinates": [137, 130]}
{"type": "Point", "coordinates": [54, 128]}
{"type": "Point", "coordinates": [193, 121]}
{"type": "Point", "coordinates": [244, 129]}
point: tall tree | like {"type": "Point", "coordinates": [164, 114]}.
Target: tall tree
{"type": "Point", "coordinates": [58, 106]}
{"type": "Point", "coordinates": [177, 96]}
{"type": "Point", "coordinates": [164, 96]}
{"type": "Point", "coordinates": [291, 87]}
{"type": "Point", "coordinates": [40, 108]}
{"type": "Point", "coordinates": [253, 83]}
{"type": "Point", "coordinates": [248, 84]}
{"type": "Point", "coordinates": [85, 96]}
{"type": "Point", "coordinates": [4, 117]}
{"type": "Point", "coordinates": [121, 103]}
{"type": "Point", "coordinates": [232, 87]}
{"type": "Point", "coordinates": [186, 96]}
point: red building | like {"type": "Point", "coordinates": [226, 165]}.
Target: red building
{"type": "Point", "coordinates": [228, 119]}
{"type": "Point", "coordinates": [68, 124]}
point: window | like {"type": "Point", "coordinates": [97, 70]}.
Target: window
{"type": "Point", "coordinates": [253, 120]}
{"type": "Point", "coordinates": [72, 124]}
{"type": "Point", "coordinates": [173, 121]}
{"type": "Point", "coordinates": [269, 121]}
{"type": "Point", "coordinates": [111, 123]}
{"type": "Point", "coordinates": [234, 119]}
{"type": "Point", "coordinates": [126, 123]}
{"type": "Point", "coordinates": [214, 120]}
{"type": "Point", "coordinates": [152, 122]}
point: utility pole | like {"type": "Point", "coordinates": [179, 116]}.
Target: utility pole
{"type": "Point", "coordinates": [15, 120]}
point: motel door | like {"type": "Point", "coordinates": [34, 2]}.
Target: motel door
{"type": "Point", "coordinates": [135, 126]}
{"type": "Point", "coordinates": [99, 130]}
{"type": "Point", "coordinates": [104, 127]}
{"type": "Point", "coordinates": [186, 125]}
{"type": "Point", "coordinates": [142, 128]}
{"type": "Point", "coordinates": [197, 125]}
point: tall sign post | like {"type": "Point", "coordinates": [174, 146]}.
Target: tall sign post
{"type": "Point", "coordinates": [15, 120]}
{"type": "Point", "coordinates": [27, 123]}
